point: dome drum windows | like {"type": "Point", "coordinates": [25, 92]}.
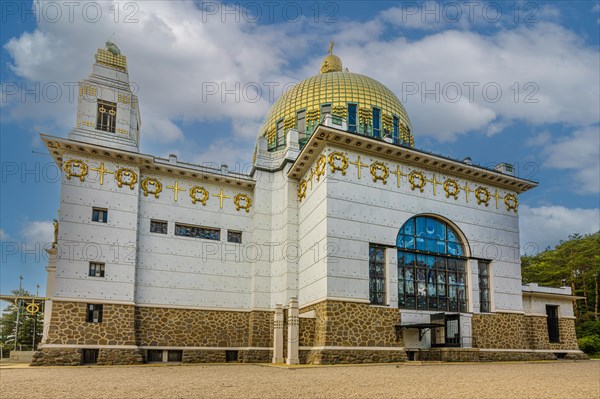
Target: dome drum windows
{"type": "Point", "coordinates": [431, 266]}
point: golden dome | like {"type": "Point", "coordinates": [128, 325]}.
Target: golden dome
{"type": "Point", "coordinates": [347, 95]}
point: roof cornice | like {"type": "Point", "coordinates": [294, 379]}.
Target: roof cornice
{"type": "Point", "coordinates": [324, 135]}
{"type": "Point", "coordinates": [147, 163]}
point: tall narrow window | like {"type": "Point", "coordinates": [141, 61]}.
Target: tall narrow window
{"type": "Point", "coordinates": [377, 275]}
{"type": "Point", "coordinates": [552, 320]}
{"type": "Point", "coordinates": [376, 123]}
{"type": "Point", "coordinates": [352, 118]}
{"type": "Point", "coordinates": [99, 215]}
{"type": "Point", "coordinates": [396, 131]}
{"type": "Point", "coordinates": [106, 116]}
{"type": "Point", "coordinates": [301, 121]}
{"type": "Point", "coordinates": [94, 313]}
{"type": "Point", "coordinates": [484, 286]}
{"type": "Point", "coordinates": [325, 110]}
{"type": "Point", "coordinates": [280, 139]}
{"type": "Point", "coordinates": [431, 266]}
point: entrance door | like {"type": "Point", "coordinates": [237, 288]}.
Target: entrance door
{"type": "Point", "coordinates": [448, 333]}
{"type": "Point", "coordinates": [453, 330]}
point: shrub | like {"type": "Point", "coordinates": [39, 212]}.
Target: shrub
{"type": "Point", "coordinates": [589, 344]}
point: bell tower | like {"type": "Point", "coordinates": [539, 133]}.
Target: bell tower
{"type": "Point", "coordinates": [108, 112]}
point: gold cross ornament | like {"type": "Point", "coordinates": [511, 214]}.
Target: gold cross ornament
{"type": "Point", "coordinates": [221, 197]}
{"type": "Point", "coordinates": [467, 190]}
{"type": "Point", "coordinates": [176, 189]}
{"type": "Point", "coordinates": [435, 184]}
{"type": "Point", "coordinates": [399, 173]}
{"type": "Point", "coordinates": [359, 165]}
{"type": "Point", "coordinates": [101, 172]}
{"type": "Point", "coordinates": [497, 197]}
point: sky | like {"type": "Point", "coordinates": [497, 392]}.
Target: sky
{"type": "Point", "coordinates": [500, 81]}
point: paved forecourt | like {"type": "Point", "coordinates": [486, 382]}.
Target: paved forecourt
{"type": "Point", "coordinates": [406, 380]}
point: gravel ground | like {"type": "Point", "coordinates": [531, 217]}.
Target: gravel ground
{"type": "Point", "coordinates": [562, 379]}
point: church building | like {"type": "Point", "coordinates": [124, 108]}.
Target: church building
{"type": "Point", "coordinates": [342, 244]}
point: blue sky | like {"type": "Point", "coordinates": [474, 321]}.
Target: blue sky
{"type": "Point", "coordinates": [533, 68]}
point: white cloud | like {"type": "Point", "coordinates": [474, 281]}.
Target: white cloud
{"type": "Point", "coordinates": [546, 226]}
{"type": "Point", "coordinates": [579, 153]}
{"type": "Point", "coordinates": [540, 139]}
{"type": "Point", "coordinates": [546, 74]}
{"type": "Point", "coordinates": [178, 61]}
{"type": "Point", "coordinates": [38, 231]}
{"type": "Point", "coordinates": [4, 236]}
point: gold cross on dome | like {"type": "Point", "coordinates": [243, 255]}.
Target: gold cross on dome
{"type": "Point", "coordinates": [399, 173]}
{"type": "Point", "coordinates": [467, 190]}
{"type": "Point", "coordinates": [176, 189]}
{"type": "Point", "coordinates": [435, 183]}
{"type": "Point", "coordinates": [497, 197]}
{"type": "Point", "coordinates": [101, 172]}
{"type": "Point", "coordinates": [221, 197]}
{"type": "Point", "coordinates": [359, 165]}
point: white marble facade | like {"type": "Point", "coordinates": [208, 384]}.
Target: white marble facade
{"type": "Point", "coordinates": [312, 248]}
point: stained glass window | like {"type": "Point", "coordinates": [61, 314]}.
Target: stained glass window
{"type": "Point", "coordinates": [431, 266]}
{"type": "Point", "coordinates": [206, 233]}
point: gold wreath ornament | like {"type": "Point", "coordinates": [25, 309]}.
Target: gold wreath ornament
{"type": "Point", "coordinates": [320, 167]}
{"type": "Point", "coordinates": [512, 202]}
{"type": "Point", "coordinates": [238, 199]}
{"type": "Point", "coordinates": [451, 188]}
{"type": "Point", "coordinates": [302, 189]}
{"type": "Point", "coordinates": [76, 163]}
{"type": "Point", "coordinates": [194, 191]}
{"type": "Point", "coordinates": [379, 171]}
{"type": "Point", "coordinates": [151, 186]}
{"type": "Point", "coordinates": [32, 308]}
{"type": "Point", "coordinates": [338, 161]}
{"type": "Point", "coordinates": [421, 180]}
{"type": "Point", "coordinates": [122, 174]}
{"type": "Point", "coordinates": [483, 195]}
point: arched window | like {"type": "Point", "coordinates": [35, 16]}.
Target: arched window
{"type": "Point", "coordinates": [431, 266]}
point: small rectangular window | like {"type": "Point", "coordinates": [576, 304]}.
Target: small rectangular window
{"type": "Point", "coordinates": [552, 321]}
{"type": "Point", "coordinates": [234, 236]}
{"type": "Point", "coordinates": [484, 286]}
{"type": "Point", "coordinates": [231, 356]}
{"type": "Point", "coordinates": [99, 215]}
{"type": "Point", "coordinates": [207, 233]}
{"type": "Point", "coordinates": [94, 313]}
{"type": "Point", "coordinates": [377, 282]}
{"type": "Point", "coordinates": [96, 269]}
{"type": "Point", "coordinates": [158, 227]}
{"type": "Point", "coordinates": [90, 356]}
{"type": "Point", "coordinates": [301, 121]}
{"type": "Point", "coordinates": [174, 356]}
{"type": "Point", "coordinates": [352, 118]}
{"type": "Point", "coordinates": [376, 123]}
{"type": "Point", "coordinates": [154, 355]}
{"type": "Point", "coordinates": [106, 116]}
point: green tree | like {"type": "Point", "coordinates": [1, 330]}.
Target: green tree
{"type": "Point", "coordinates": [576, 263]}
{"type": "Point", "coordinates": [30, 326]}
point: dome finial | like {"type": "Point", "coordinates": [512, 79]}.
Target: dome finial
{"type": "Point", "coordinates": [331, 63]}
